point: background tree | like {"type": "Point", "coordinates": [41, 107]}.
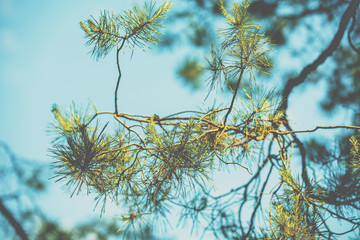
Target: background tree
{"type": "Point", "coordinates": [318, 23]}
{"type": "Point", "coordinates": [20, 179]}
{"type": "Point", "coordinates": [23, 218]}
{"type": "Point", "coordinates": [151, 159]}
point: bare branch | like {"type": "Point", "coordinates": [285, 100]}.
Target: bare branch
{"type": "Point", "coordinates": [119, 71]}
{"type": "Point", "coordinates": [234, 96]}
{"type": "Point", "coordinates": [349, 35]}
{"type": "Point", "coordinates": [13, 222]}
{"type": "Point", "coordinates": [315, 129]}
{"type": "Point", "coordinates": [292, 83]}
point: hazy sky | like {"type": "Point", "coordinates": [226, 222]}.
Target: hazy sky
{"type": "Point", "coordinates": [43, 60]}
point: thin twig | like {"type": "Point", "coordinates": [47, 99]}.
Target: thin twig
{"type": "Point", "coordinates": [230, 163]}
{"type": "Point", "coordinates": [234, 95]}
{"type": "Point", "coordinates": [349, 35]}
{"type": "Point", "coordinates": [315, 129]}
{"type": "Point", "coordinates": [119, 71]}
{"type": "Point", "coordinates": [128, 128]}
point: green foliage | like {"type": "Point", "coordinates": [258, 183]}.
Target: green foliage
{"type": "Point", "coordinates": [190, 72]}
{"type": "Point", "coordinates": [295, 214]}
{"type": "Point", "coordinates": [83, 158]}
{"type": "Point", "coordinates": [291, 222]}
{"type": "Point", "coordinates": [68, 123]}
{"type": "Point", "coordinates": [102, 33]}
{"type": "Point", "coordinates": [180, 160]}
{"type": "Point", "coordinates": [199, 35]}
{"type": "Point", "coordinates": [243, 47]}
{"type": "Point", "coordinates": [152, 162]}
{"type": "Point", "coordinates": [136, 27]}
{"type": "Point", "coordinates": [173, 154]}
{"type": "Point", "coordinates": [355, 153]}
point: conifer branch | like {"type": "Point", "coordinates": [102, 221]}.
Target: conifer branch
{"type": "Point", "coordinates": [152, 159]}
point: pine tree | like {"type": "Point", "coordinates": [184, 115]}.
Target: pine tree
{"type": "Point", "coordinates": [151, 162]}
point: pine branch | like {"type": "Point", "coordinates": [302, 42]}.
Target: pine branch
{"type": "Point", "coordinates": [151, 159]}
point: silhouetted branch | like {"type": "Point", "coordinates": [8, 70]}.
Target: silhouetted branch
{"type": "Point", "coordinates": [292, 83]}
{"type": "Point", "coordinates": [301, 147]}
{"type": "Point", "coordinates": [307, 12]}
{"type": "Point", "coordinates": [259, 199]}
{"type": "Point", "coordinates": [13, 222]}
{"type": "Point", "coordinates": [234, 96]}
{"type": "Point", "coordinates": [349, 35]}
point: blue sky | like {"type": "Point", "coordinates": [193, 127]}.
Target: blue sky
{"type": "Point", "coordinates": [43, 60]}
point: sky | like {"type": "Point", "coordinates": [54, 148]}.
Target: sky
{"type": "Point", "coordinates": [43, 60]}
